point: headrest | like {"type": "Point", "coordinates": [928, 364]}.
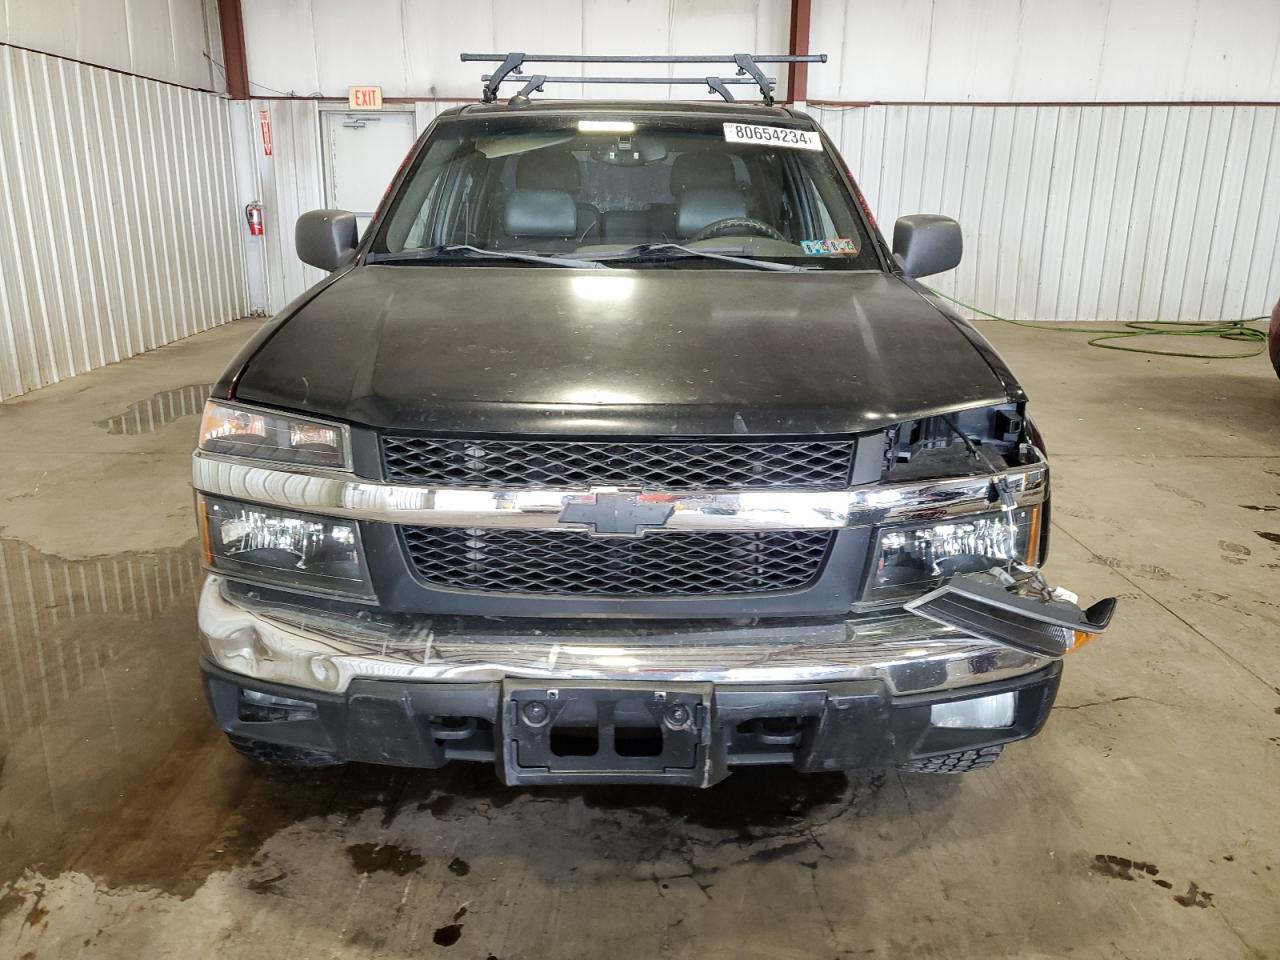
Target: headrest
{"type": "Point", "coordinates": [540, 213]}
{"type": "Point", "coordinates": [699, 207]}
{"type": "Point", "coordinates": [547, 169]}
{"type": "Point", "coordinates": [693, 171]}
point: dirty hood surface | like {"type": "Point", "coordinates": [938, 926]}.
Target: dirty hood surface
{"type": "Point", "coordinates": [559, 351]}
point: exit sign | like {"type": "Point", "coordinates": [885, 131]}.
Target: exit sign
{"type": "Point", "coordinates": [364, 98]}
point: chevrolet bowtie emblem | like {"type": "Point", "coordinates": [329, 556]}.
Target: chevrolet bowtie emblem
{"type": "Point", "coordinates": [617, 514]}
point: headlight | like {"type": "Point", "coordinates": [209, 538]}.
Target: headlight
{"type": "Point", "coordinates": [909, 561]}
{"type": "Point", "coordinates": [279, 547]}
{"type": "Point", "coordinates": [246, 432]}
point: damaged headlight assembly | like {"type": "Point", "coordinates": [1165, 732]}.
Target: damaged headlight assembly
{"type": "Point", "coordinates": [1015, 607]}
{"type": "Point", "coordinates": [910, 560]}
{"type": "Point", "coordinates": [978, 574]}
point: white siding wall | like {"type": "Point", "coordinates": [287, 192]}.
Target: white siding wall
{"type": "Point", "coordinates": [1046, 50]}
{"type": "Point", "coordinates": [117, 197]}
{"type": "Point", "coordinates": [173, 40]}
{"type": "Point", "coordinates": [992, 50]}
{"type": "Point", "coordinates": [320, 47]}
{"type": "Point", "coordinates": [290, 182]}
{"type": "Point", "coordinates": [1084, 213]}
{"type": "Point", "coordinates": [1069, 211]}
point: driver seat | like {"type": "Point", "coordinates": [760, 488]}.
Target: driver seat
{"type": "Point", "coordinates": [705, 189]}
{"type": "Point", "coordinates": [699, 207]}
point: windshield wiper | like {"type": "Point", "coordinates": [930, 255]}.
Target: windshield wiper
{"type": "Point", "coordinates": [465, 251]}
{"type": "Point", "coordinates": [645, 251]}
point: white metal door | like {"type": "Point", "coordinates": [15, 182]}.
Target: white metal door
{"type": "Point", "coordinates": [362, 152]}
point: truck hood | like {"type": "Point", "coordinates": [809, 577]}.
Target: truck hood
{"type": "Point", "coordinates": [664, 351]}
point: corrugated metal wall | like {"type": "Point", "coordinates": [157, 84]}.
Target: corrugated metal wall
{"type": "Point", "coordinates": [1075, 211]}
{"type": "Point", "coordinates": [1046, 50]}
{"type": "Point", "coordinates": [1070, 211]}
{"type": "Point", "coordinates": [1084, 212]}
{"type": "Point", "coordinates": [291, 181]}
{"type": "Point", "coordinates": [172, 40]}
{"type": "Point", "coordinates": [317, 48]}
{"type": "Point", "coordinates": [117, 196]}
{"type": "Point", "coordinates": [993, 50]}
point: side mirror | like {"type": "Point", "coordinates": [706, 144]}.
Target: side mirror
{"type": "Point", "coordinates": [326, 238]}
{"type": "Point", "coordinates": [926, 243]}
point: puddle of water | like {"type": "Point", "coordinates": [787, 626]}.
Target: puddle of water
{"type": "Point", "coordinates": [158, 410]}
{"type": "Point", "coordinates": [52, 613]}
{"type": "Point", "coordinates": [98, 687]}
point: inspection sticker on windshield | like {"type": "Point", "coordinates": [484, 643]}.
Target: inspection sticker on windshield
{"type": "Point", "coordinates": [840, 247]}
{"type": "Point", "coordinates": [772, 136]}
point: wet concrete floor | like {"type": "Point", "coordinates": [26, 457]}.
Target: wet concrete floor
{"type": "Point", "coordinates": [1143, 822]}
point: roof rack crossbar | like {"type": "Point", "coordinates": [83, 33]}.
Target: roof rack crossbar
{"type": "Point", "coordinates": [598, 58]}
{"type": "Point", "coordinates": [534, 82]}
{"type": "Point", "coordinates": [511, 63]}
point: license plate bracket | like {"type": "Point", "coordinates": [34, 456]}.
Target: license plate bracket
{"type": "Point", "coordinates": [581, 731]}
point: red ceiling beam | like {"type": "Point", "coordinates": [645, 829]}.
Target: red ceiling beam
{"type": "Point", "coordinates": [235, 64]}
{"type": "Point", "coordinates": [798, 73]}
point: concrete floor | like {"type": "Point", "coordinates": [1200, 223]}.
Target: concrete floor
{"type": "Point", "coordinates": [1143, 822]}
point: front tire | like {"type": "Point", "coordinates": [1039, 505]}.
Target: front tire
{"type": "Point", "coordinates": [962, 762]}
{"type": "Point", "coordinates": [281, 755]}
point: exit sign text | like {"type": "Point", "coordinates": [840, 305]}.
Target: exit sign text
{"type": "Point", "coordinates": [364, 98]}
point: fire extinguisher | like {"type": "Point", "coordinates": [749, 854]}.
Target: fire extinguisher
{"type": "Point", "coordinates": [253, 214]}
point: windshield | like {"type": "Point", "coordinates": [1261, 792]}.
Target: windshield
{"type": "Point", "coordinates": [644, 191]}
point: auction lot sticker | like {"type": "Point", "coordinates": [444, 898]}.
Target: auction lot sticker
{"type": "Point", "coordinates": [772, 136]}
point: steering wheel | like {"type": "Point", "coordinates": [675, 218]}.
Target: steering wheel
{"type": "Point", "coordinates": [736, 226]}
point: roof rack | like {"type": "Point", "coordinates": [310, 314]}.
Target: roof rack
{"type": "Point", "coordinates": [748, 72]}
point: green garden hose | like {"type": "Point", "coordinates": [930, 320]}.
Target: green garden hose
{"type": "Point", "coordinates": [1235, 330]}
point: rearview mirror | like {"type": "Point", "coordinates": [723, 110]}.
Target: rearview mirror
{"type": "Point", "coordinates": [926, 243]}
{"type": "Point", "coordinates": [629, 151]}
{"type": "Point", "coordinates": [326, 238]}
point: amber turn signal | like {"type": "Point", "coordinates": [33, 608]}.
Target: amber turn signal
{"type": "Point", "coordinates": [1079, 639]}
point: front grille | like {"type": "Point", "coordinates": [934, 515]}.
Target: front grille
{"type": "Point", "coordinates": [651, 464]}
{"type": "Point", "coordinates": [674, 563]}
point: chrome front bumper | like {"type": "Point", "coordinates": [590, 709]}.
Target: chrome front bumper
{"type": "Point", "coordinates": [279, 641]}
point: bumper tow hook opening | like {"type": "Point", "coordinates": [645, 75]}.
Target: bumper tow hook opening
{"type": "Point", "coordinates": [1015, 608]}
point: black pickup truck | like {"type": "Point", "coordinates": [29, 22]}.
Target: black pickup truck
{"type": "Point", "coordinates": [622, 447]}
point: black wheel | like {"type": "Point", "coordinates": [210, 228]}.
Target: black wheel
{"type": "Point", "coordinates": [961, 762]}
{"type": "Point", "coordinates": [735, 227]}
{"type": "Point", "coordinates": [278, 755]}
